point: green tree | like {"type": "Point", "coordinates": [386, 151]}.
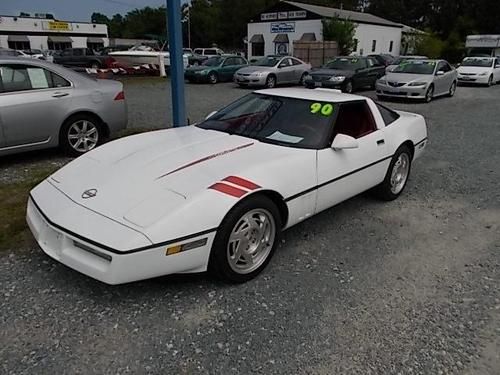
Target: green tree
{"type": "Point", "coordinates": [342, 31]}
{"type": "Point", "coordinates": [429, 45]}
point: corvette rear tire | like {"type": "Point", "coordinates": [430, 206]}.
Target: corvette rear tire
{"type": "Point", "coordinates": [397, 175]}
{"type": "Point", "coordinates": [246, 240]}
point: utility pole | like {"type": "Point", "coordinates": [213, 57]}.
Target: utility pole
{"type": "Point", "coordinates": [174, 27]}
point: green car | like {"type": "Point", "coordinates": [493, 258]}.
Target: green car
{"type": "Point", "coordinates": [215, 69]}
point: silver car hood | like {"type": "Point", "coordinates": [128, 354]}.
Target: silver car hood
{"type": "Point", "coordinates": [406, 78]}
{"type": "Point", "coordinates": [255, 68]}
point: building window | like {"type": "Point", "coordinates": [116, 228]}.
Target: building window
{"type": "Point", "coordinates": [257, 49]}
{"type": "Point", "coordinates": [59, 46]}
{"type": "Point", "coordinates": [374, 45]}
{"type": "Point", "coordinates": [281, 48]}
{"type": "Point", "coordinates": [95, 46]}
{"type": "Point", "coordinates": [356, 43]}
{"type": "Point", "coordinates": [19, 45]}
{"type": "Point", "coordinates": [391, 45]}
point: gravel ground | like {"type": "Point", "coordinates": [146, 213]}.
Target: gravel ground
{"type": "Point", "coordinates": [407, 287]}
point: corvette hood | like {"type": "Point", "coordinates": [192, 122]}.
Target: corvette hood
{"type": "Point", "coordinates": [138, 179]}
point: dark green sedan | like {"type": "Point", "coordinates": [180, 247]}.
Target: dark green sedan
{"type": "Point", "coordinates": [215, 69]}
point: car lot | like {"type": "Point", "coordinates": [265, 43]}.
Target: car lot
{"type": "Point", "coordinates": [366, 287]}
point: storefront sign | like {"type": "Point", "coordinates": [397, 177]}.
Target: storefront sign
{"type": "Point", "coordinates": [283, 15]}
{"type": "Point", "coordinates": [297, 14]}
{"type": "Point", "coordinates": [57, 25]}
{"type": "Point", "coordinates": [282, 27]}
{"type": "Point", "coordinates": [268, 16]}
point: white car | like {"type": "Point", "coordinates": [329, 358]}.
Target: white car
{"type": "Point", "coordinates": [479, 70]}
{"type": "Point", "coordinates": [216, 196]}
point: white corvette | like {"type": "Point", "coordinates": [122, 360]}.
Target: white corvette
{"type": "Point", "coordinates": [217, 195]}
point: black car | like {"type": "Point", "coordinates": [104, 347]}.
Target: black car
{"type": "Point", "coordinates": [384, 58]}
{"type": "Point", "coordinates": [347, 73]}
{"type": "Point", "coordinates": [81, 57]}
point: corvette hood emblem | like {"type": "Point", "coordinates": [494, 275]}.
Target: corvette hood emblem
{"type": "Point", "coordinates": [90, 193]}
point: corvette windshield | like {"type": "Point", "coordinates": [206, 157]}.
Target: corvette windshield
{"type": "Point", "coordinates": [416, 67]}
{"type": "Point", "coordinates": [346, 64]}
{"type": "Point", "coordinates": [278, 120]}
{"type": "Point", "coordinates": [479, 62]}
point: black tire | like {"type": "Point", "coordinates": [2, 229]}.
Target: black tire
{"type": "Point", "coordinates": [271, 81]}
{"type": "Point", "coordinates": [384, 190]}
{"type": "Point", "coordinates": [303, 78]}
{"type": "Point", "coordinates": [381, 97]}
{"type": "Point", "coordinates": [213, 78]}
{"type": "Point", "coordinates": [490, 81]}
{"type": "Point", "coordinates": [218, 264]}
{"type": "Point", "coordinates": [429, 94]}
{"type": "Point", "coordinates": [95, 65]}
{"type": "Point", "coordinates": [453, 89]}
{"type": "Point", "coordinates": [64, 142]}
{"type": "Point", "coordinates": [348, 87]}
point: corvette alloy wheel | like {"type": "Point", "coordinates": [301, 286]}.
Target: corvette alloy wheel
{"type": "Point", "coordinates": [400, 172]}
{"type": "Point", "coordinates": [251, 241]}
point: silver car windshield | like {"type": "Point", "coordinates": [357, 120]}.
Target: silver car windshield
{"type": "Point", "coordinates": [416, 67]}
{"type": "Point", "coordinates": [268, 61]}
{"type": "Point", "coordinates": [478, 61]}
{"type": "Point", "coordinates": [278, 120]}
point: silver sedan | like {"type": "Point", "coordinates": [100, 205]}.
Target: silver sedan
{"type": "Point", "coordinates": [43, 105]}
{"type": "Point", "coordinates": [418, 79]}
{"type": "Point", "coordinates": [273, 70]}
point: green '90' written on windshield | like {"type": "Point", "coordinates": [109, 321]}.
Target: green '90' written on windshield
{"type": "Point", "coordinates": [323, 109]}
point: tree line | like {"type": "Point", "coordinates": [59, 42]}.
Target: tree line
{"type": "Point", "coordinates": [224, 22]}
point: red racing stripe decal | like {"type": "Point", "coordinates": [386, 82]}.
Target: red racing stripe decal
{"type": "Point", "coordinates": [228, 189]}
{"type": "Point", "coordinates": [242, 182]}
{"type": "Point", "coordinates": [205, 159]}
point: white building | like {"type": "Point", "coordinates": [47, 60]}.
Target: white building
{"type": "Point", "coordinates": [274, 30]}
{"type": "Point", "coordinates": [45, 33]}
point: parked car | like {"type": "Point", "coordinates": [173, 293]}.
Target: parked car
{"type": "Point", "coordinates": [347, 73]}
{"type": "Point", "coordinates": [193, 58]}
{"type": "Point", "coordinates": [419, 79]}
{"type": "Point", "coordinates": [216, 196]}
{"type": "Point", "coordinates": [273, 70]}
{"type": "Point", "coordinates": [82, 57]}
{"type": "Point", "coordinates": [479, 70]}
{"type": "Point", "coordinates": [208, 51]}
{"type": "Point", "coordinates": [8, 52]}
{"type": "Point", "coordinates": [215, 69]}
{"type": "Point", "coordinates": [34, 53]}
{"type": "Point", "coordinates": [402, 59]}
{"type": "Point", "coordinates": [383, 58]}
{"type": "Point", "coordinates": [44, 105]}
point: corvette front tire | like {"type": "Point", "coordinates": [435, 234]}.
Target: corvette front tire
{"type": "Point", "coordinates": [397, 175]}
{"type": "Point", "coordinates": [246, 240]}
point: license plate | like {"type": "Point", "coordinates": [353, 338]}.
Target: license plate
{"type": "Point", "coordinates": [465, 78]}
{"type": "Point", "coordinates": [317, 84]}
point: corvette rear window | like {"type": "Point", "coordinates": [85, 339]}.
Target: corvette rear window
{"type": "Point", "coordinates": [279, 120]}
{"type": "Point", "coordinates": [388, 115]}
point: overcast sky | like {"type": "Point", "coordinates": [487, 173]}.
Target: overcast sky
{"type": "Point", "coordinates": [74, 10]}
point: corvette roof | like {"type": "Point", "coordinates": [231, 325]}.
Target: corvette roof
{"type": "Point", "coordinates": [320, 94]}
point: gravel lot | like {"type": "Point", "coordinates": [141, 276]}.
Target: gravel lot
{"type": "Point", "coordinates": [407, 287]}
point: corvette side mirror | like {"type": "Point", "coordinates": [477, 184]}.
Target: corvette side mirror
{"type": "Point", "coordinates": [344, 142]}
{"type": "Point", "coordinates": [210, 115]}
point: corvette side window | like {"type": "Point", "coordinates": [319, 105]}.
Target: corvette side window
{"type": "Point", "coordinates": [388, 115]}
{"type": "Point", "coordinates": [355, 119]}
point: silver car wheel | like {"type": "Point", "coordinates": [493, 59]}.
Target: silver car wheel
{"type": "Point", "coordinates": [453, 88]}
{"type": "Point", "coordinates": [271, 82]}
{"type": "Point", "coordinates": [399, 173]}
{"type": "Point", "coordinates": [429, 94]}
{"type": "Point", "coordinates": [251, 241]}
{"type": "Point", "coordinates": [83, 136]}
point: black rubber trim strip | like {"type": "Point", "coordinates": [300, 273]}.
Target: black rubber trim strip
{"type": "Point", "coordinates": [422, 141]}
{"type": "Point", "coordinates": [118, 252]}
{"type": "Point", "coordinates": [335, 179]}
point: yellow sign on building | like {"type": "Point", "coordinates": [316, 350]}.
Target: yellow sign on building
{"type": "Point", "coordinates": [59, 26]}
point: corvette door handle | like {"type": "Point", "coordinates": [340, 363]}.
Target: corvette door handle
{"type": "Point", "coordinates": [60, 94]}
{"type": "Point", "coordinates": [380, 142]}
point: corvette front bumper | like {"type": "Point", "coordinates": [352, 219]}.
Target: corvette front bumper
{"type": "Point", "coordinates": [111, 266]}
